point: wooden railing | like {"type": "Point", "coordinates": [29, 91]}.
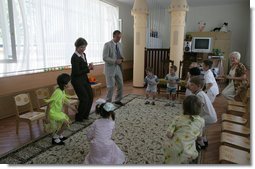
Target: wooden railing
{"type": "Point", "coordinates": [158, 60]}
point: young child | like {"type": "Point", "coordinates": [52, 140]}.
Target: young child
{"type": "Point", "coordinates": [212, 89]}
{"type": "Point", "coordinates": [151, 80]}
{"type": "Point", "coordinates": [172, 81]}
{"type": "Point", "coordinates": [194, 71]}
{"type": "Point", "coordinates": [103, 150]}
{"type": "Point", "coordinates": [208, 111]}
{"type": "Point", "coordinates": [183, 132]}
{"type": "Point", "coordinates": [56, 119]}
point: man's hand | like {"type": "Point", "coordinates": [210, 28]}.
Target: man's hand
{"type": "Point", "coordinates": [119, 61]}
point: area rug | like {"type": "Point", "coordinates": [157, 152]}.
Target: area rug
{"type": "Point", "coordinates": [140, 134]}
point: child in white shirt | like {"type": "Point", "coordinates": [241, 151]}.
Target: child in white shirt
{"type": "Point", "coordinates": [194, 71]}
{"type": "Point", "coordinates": [212, 89]}
{"type": "Point", "coordinates": [208, 111]}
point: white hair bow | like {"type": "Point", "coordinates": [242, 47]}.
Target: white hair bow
{"type": "Point", "coordinates": [109, 107]}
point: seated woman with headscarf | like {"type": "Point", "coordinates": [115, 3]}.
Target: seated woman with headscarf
{"type": "Point", "coordinates": [237, 77]}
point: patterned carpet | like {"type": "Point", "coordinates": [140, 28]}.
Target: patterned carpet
{"type": "Point", "coordinates": [140, 133]}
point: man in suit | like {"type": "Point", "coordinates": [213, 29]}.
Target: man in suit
{"type": "Point", "coordinates": [113, 58]}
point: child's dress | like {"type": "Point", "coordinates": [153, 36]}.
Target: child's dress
{"type": "Point", "coordinates": [181, 148]}
{"type": "Point", "coordinates": [103, 150]}
{"type": "Point", "coordinates": [56, 116]}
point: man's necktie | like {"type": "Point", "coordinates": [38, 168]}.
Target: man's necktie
{"type": "Point", "coordinates": [118, 52]}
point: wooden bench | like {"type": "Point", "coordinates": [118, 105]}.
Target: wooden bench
{"type": "Point", "coordinates": [96, 89]}
{"type": "Point", "coordinates": [233, 156]}
{"type": "Point", "coordinates": [235, 141]}
{"type": "Point", "coordinates": [233, 119]}
{"type": "Point", "coordinates": [236, 103]}
{"type": "Point", "coordinates": [236, 110]}
{"type": "Point", "coordinates": [235, 129]}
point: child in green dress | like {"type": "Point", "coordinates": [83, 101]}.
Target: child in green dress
{"type": "Point", "coordinates": [180, 146]}
{"type": "Point", "coordinates": [55, 116]}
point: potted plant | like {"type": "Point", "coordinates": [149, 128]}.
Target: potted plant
{"type": "Point", "coordinates": [188, 37]}
{"type": "Point", "coordinates": [217, 52]}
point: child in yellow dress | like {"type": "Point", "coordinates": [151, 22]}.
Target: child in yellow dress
{"type": "Point", "coordinates": [180, 147]}
{"type": "Point", "coordinates": [55, 116]}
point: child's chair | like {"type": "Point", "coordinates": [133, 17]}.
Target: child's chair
{"type": "Point", "coordinates": [41, 94]}
{"type": "Point", "coordinates": [25, 111]}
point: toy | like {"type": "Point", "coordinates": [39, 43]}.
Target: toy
{"type": "Point", "coordinates": [224, 28]}
{"type": "Point", "coordinates": [201, 26]}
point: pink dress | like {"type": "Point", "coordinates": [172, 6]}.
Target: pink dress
{"type": "Point", "coordinates": [103, 149]}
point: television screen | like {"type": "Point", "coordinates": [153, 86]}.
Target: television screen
{"type": "Point", "coordinates": [201, 43]}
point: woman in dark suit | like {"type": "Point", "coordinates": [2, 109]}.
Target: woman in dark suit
{"type": "Point", "coordinates": [79, 79]}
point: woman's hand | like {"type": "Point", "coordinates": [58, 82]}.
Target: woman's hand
{"type": "Point", "coordinates": [91, 66]}
{"type": "Point", "coordinates": [229, 77]}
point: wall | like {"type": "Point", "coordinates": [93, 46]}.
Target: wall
{"type": "Point", "coordinates": [236, 15]}
{"type": "Point", "coordinates": [11, 86]}
{"type": "Point", "coordinates": [127, 28]}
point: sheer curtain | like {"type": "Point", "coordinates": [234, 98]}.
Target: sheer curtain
{"type": "Point", "coordinates": [45, 31]}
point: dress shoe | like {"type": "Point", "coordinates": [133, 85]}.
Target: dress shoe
{"type": "Point", "coordinates": [85, 118]}
{"type": "Point", "coordinates": [78, 120]}
{"type": "Point", "coordinates": [119, 103]}
{"type": "Point", "coordinates": [206, 143]}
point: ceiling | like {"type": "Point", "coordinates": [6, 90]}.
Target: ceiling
{"type": "Point", "coordinates": [166, 3]}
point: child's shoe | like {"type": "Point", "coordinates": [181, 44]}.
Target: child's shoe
{"type": "Point", "coordinates": [206, 143]}
{"type": "Point", "coordinates": [201, 144]}
{"type": "Point", "coordinates": [62, 138]}
{"type": "Point", "coordinates": [153, 103]}
{"type": "Point", "coordinates": [57, 141]}
{"type": "Point", "coordinates": [147, 102]}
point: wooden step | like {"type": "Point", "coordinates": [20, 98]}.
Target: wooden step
{"type": "Point", "coordinates": [236, 110]}
{"type": "Point", "coordinates": [236, 103]}
{"type": "Point", "coordinates": [233, 118]}
{"type": "Point", "coordinates": [235, 129]}
{"type": "Point", "coordinates": [235, 141]}
{"type": "Point", "coordinates": [232, 155]}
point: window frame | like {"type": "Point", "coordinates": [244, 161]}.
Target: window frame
{"type": "Point", "coordinates": [13, 58]}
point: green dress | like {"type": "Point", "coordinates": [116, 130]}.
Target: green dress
{"type": "Point", "coordinates": [181, 148]}
{"type": "Point", "coordinates": [55, 114]}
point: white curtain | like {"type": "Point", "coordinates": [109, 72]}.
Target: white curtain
{"type": "Point", "coordinates": [45, 31]}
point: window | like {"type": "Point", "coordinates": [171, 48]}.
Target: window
{"type": "Point", "coordinates": [45, 32]}
{"type": "Point", "coordinates": [7, 53]}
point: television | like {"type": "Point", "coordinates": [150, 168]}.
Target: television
{"type": "Point", "coordinates": [201, 44]}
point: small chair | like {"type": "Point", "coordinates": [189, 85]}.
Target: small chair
{"type": "Point", "coordinates": [97, 87]}
{"type": "Point", "coordinates": [235, 141]}
{"type": "Point", "coordinates": [233, 119]}
{"type": "Point", "coordinates": [25, 111]}
{"type": "Point", "coordinates": [235, 129]}
{"type": "Point", "coordinates": [73, 98]}
{"type": "Point", "coordinates": [233, 156]}
{"type": "Point", "coordinates": [41, 94]}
